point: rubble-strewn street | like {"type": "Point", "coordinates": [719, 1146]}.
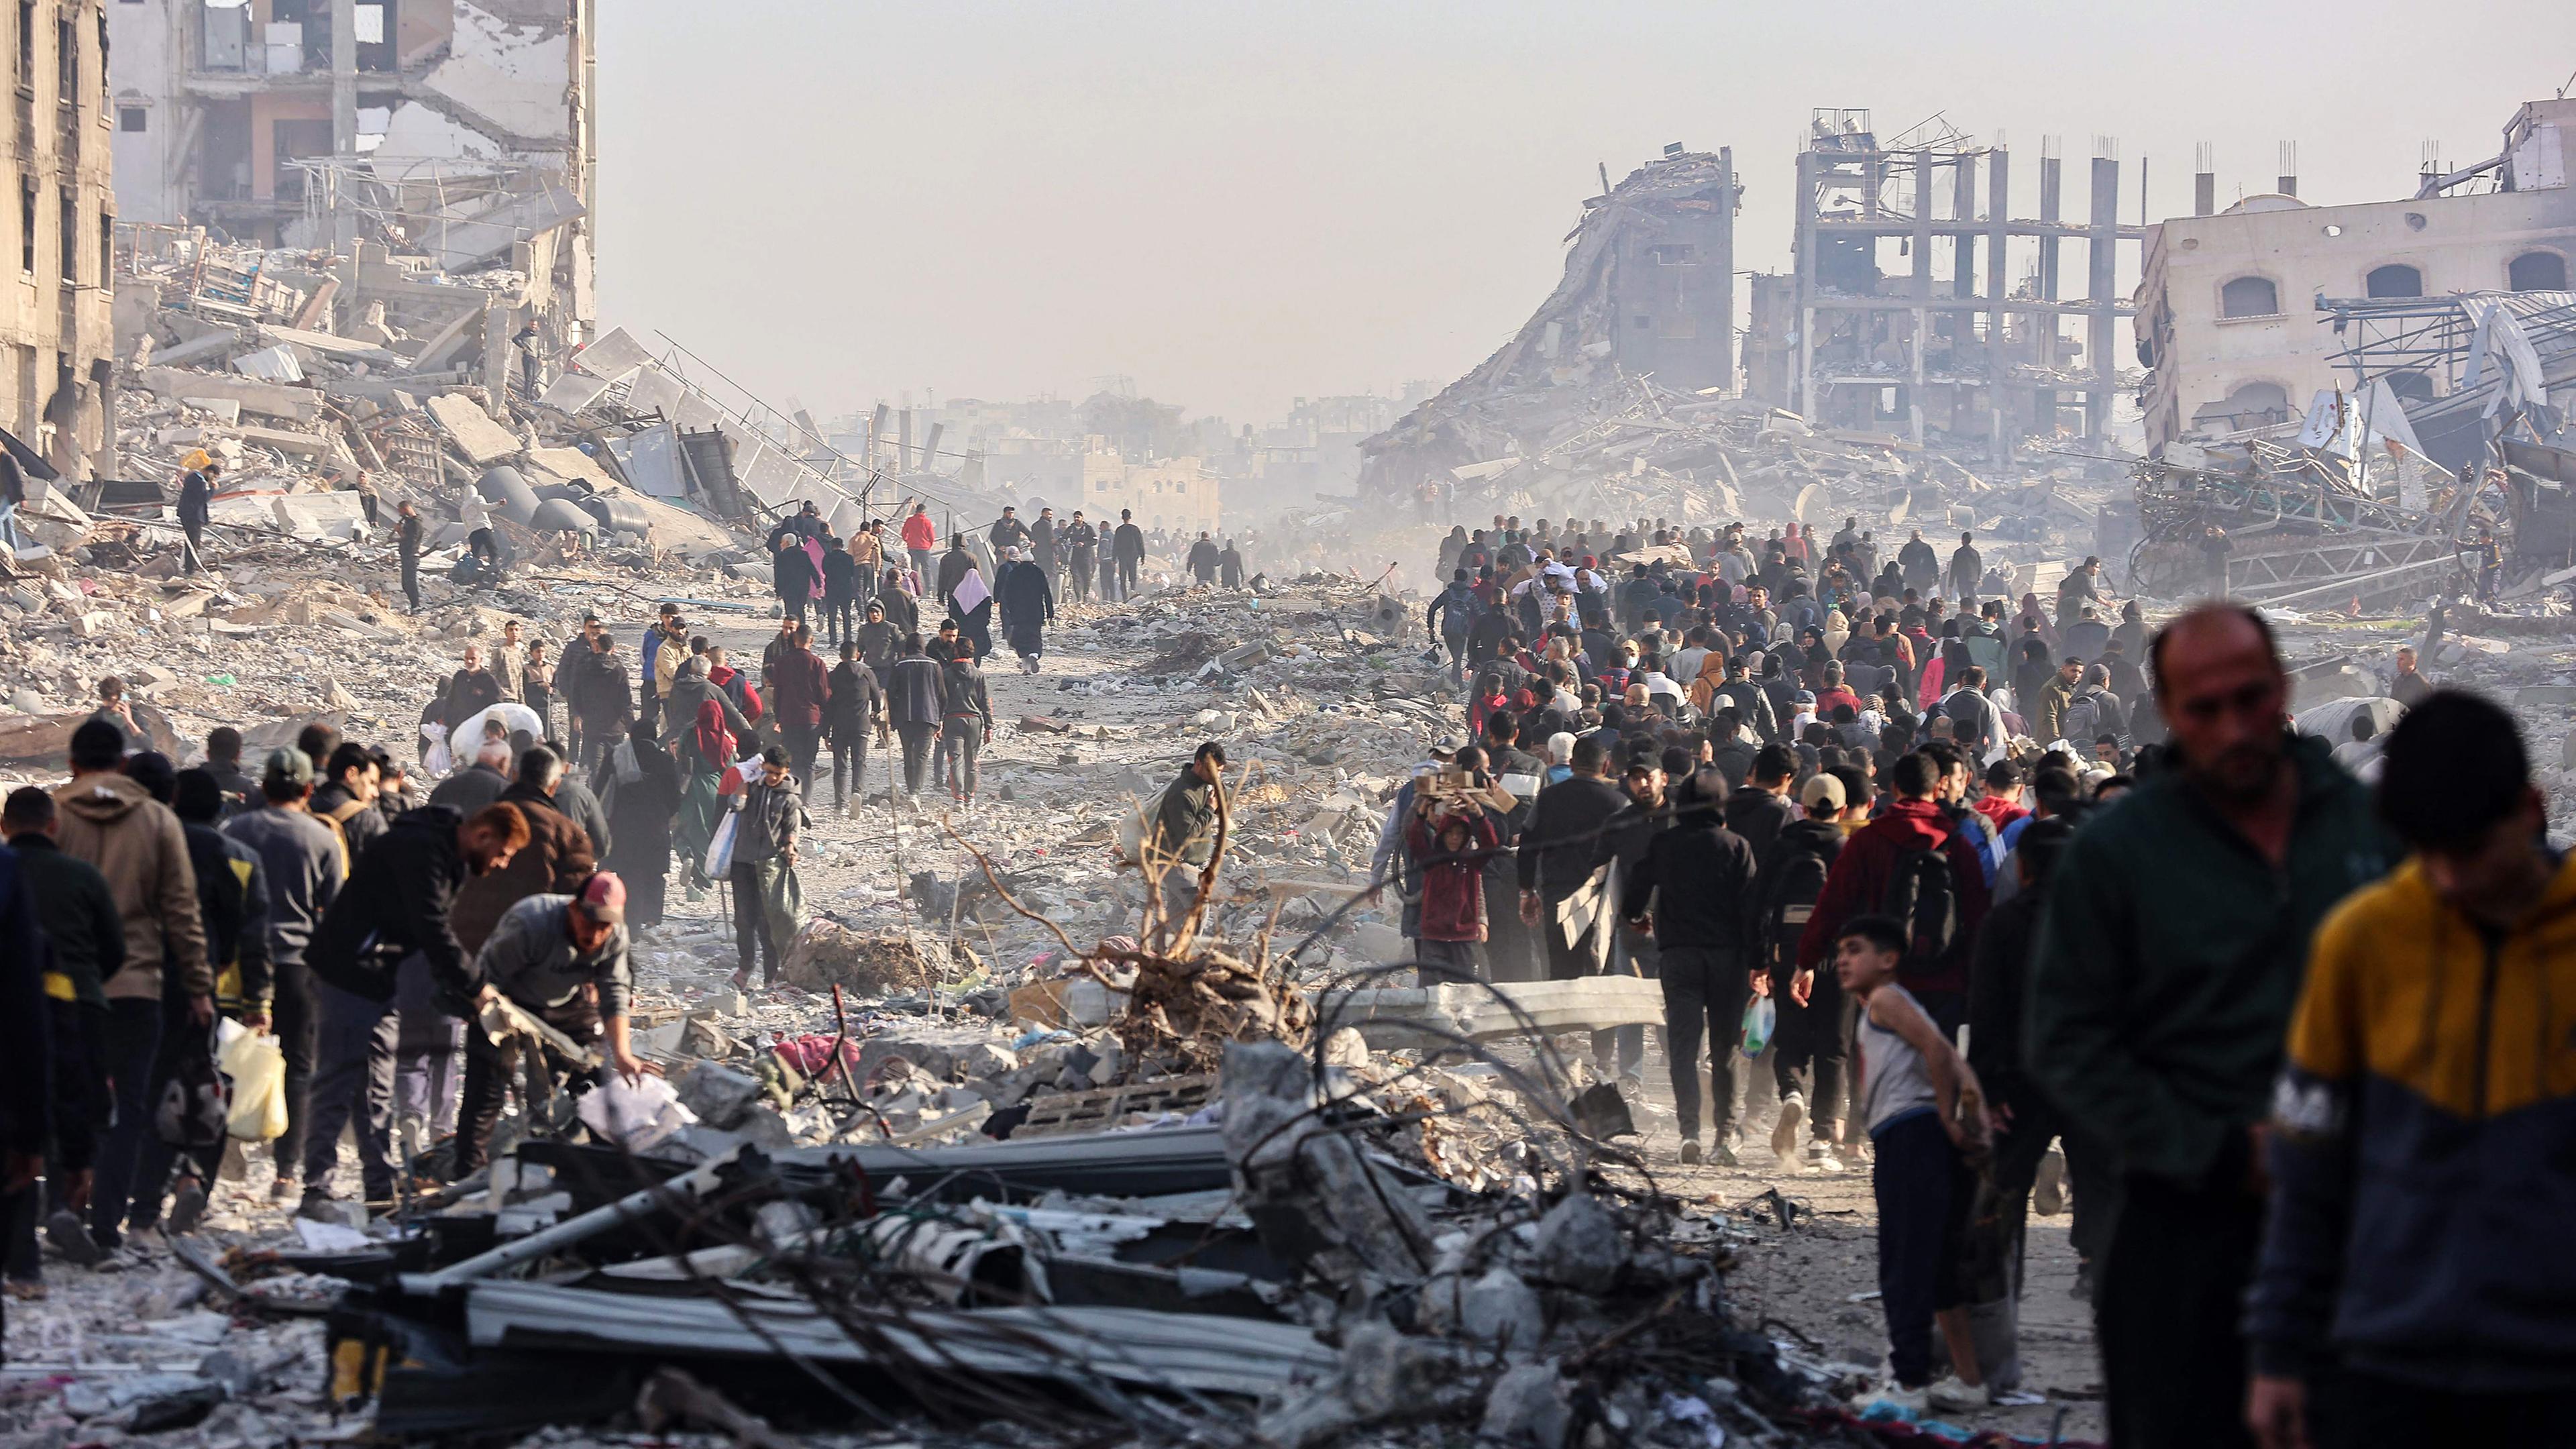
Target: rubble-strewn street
{"type": "Point", "coordinates": [1931, 809]}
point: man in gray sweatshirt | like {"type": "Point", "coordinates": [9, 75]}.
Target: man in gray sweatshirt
{"type": "Point", "coordinates": [302, 860]}
{"type": "Point", "coordinates": [562, 960]}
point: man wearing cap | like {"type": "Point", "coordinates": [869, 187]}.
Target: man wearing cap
{"type": "Point", "coordinates": [562, 960]}
{"type": "Point", "coordinates": [304, 867]}
{"type": "Point", "coordinates": [768, 901]}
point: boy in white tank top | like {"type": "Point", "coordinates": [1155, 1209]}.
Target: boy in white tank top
{"type": "Point", "coordinates": [1913, 1086]}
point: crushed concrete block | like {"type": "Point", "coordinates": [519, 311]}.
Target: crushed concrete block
{"type": "Point", "coordinates": [1528, 1407]}
{"type": "Point", "coordinates": [1580, 1246]}
{"type": "Point", "coordinates": [719, 1095]}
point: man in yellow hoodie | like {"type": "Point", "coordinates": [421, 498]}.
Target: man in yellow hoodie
{"type": "Point", "coordinates": [2414, 1284]}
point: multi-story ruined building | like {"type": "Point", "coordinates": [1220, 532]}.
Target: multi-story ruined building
{"type": "Point", "coordinates": [56, 377]}
{"type": "Point", "coordinates": [459, 129]}
{"type": "Point", "coordinates": [2230, 314]}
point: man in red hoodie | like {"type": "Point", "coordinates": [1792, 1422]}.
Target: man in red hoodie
{"type": "Point", "coordinates": [920, 536]}
{"type": "Point", "coordinates": [799, 689]}
{"type": "Point", "coordinates": [1894, 866]}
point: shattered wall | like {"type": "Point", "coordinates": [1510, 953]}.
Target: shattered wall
{"type": "Point", "coordinates": [55, 385]}
{"type": "Point", "coordinates": [1647, 291]}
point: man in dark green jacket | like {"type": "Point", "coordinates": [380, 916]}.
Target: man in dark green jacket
{"type": "Point", "coordinates": [2172, 953]}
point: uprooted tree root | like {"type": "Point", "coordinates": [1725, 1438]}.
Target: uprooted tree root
{"type": "Point", "coordinates": [1186, 999]}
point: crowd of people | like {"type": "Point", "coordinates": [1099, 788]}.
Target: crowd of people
{"type": "Point", "coordinates": [1990, 883]}
{"type": "Point", "coordinates": [1972, 877]}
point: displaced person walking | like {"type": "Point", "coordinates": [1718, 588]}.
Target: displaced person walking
{"type": "Point", "coordinates": [2169, 963]}
{"type": "Point", "coordinates": [768, 900]}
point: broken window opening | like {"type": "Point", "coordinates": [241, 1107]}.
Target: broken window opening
{"type": "Point", "coordinates": [67, 64]}
{"type": "Point", "coordinates": [2249, 297]}
{"type": "Point", "coordinates": [2394, 280]}
{"type": "Point", "coordinates": [27, 46]}
{"type": "Point", "coordinates": [2537, 272]}
{"type": "Point", "coordinates": [67, 246]}
{"type": "Point", "coordinates": [27, 227]}
{"type": "Point", "coordinates": [132, 118]}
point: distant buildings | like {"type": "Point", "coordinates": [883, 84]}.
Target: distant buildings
{"type": "Point", "coordinates": [2227, 310]}
{"type": "Point", "coordinates": [57, 371]}
{"type": "Point", "coordinates": [466, 128]}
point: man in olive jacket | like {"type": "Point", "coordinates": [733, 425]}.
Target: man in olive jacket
{"type": "Point", "coordinates": [2172, 953]}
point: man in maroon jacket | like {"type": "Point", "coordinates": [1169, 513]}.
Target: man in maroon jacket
{"type": "Point", "coordinates": [1874, 859]}
{"type": "Point", "coordinates": [799, 688]}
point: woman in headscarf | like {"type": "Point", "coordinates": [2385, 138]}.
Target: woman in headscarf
{"type": "Point", "coordinates": [975, 624]}
{"type": "Point", "coordinates": [703, 752]}
{"type": "Point", "coordinates": [1028, 606]}
{"type": "Point", "coordinates": [2131, 634]}
{"type": "Point", "coordinates": [1712, 673]}
{"type": "Point", "coordinates": [900, 610]}
{"type": "Point", "coordinates": [2030, 609]}
{"type": "Point", "coordinates": [1811, 658]}
{"type": "Point", "coordinates": [1837, 629]}
{"type": "Point", "coordinates": [639, 783]}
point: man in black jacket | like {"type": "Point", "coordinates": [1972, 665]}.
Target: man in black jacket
{"type": "Point", "coordinates": [1760, 810]}
{"type": "Point", "coordinates": [1624, 841]}
{"type": "Point", "coordinates": [792, 574]}
{"type": "Point", "coordinates": [395, 904]}
{"type": "Point", "coordinates": [854, 713]}
{"type": "Point", "coordinates": [1556, 860]}
{"type": "Point", "coordinates": [1703, 927]}
{"type": "Point", "coordinates": [26, 1046]}
{"type": "Point", "coordinates": [1811, 1035]}
{"type": "Point", "coordinates": [1127, 547]}
{"type": "Point", "coordinates": [1082, 557]}
{"type": "Point", "coordinates": [407, 547]}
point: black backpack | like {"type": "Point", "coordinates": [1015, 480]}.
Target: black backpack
{"type": "Point", "coordinates": [1797, 878]}
{"type": "Point", "coordinates": [1922, 898]}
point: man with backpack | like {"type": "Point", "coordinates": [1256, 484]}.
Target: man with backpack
{"type": "Point", "coordinates": [1913, 863]}
{"type": "Point", "coordinates": [1450, 617]}
{"type": "Point", "coordinates": [1811, 1034]}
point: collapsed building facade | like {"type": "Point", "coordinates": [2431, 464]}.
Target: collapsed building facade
{"type": "Point", "coordinates": [1646, 302]}
{"type": "Point", "coordinates": [57, 384]}
{"type": "Point", "coordinates": [1911, 308]}
{"type": "Point", "coordinates": [462, 131]}
{"type": "Point", "coordinates": [2231, 321]}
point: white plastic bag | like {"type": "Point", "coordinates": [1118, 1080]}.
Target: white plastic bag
{"type": "Point", "coordinates": [636, 1116]}
{"type": "Point", "coordinates": [258, 1069]}
{"type": "Point", "coordinates": [1761, 1014]}
{"type": "Point", "coordinates": [719, 862]}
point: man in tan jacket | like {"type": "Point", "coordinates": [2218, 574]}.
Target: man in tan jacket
{"type": "Point", "coordinates": [135, 842]}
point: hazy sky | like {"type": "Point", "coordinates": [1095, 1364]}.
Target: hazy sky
{"type": "Point", "coordinates": [1235, 203]}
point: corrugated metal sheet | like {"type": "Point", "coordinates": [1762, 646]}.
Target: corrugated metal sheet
{"type": "Point", "coordinates": [1189, 1352]}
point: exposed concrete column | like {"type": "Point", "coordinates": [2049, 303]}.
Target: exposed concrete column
{"type": "Point", "coordinates": [1998, 207]}
{"type": "Point", "coordinates": [1921, 289]}
{"type": "Point", "coordinates": [344, 77]}
{"type": "Point", "coordinates": [2102, 255]}
{"type": "Point", "coordinates": [1963, 269]}
{"type": "Point", "coordinates": [1804, 265]}
{"type": "Point", "coordinates": [1724, 240]}
{"type": "Point", "coordinates": [2044, 352]}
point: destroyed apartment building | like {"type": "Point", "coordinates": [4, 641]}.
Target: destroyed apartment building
{"type": "Point", "coordinates": [1920, 304]}
{"type": "Point", "coordinates": [458, 130]}
{"type": "Point", "coordinates": [2351, 395]}
{"type": "Point", "coordinates": [57, 377]}
{"type": "Point", "coordinates": [1618, 397]}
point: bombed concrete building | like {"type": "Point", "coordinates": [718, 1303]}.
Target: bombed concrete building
{"type": "Point", "coordinates": [461, 131]}
{"type": "Point", "coordinates": [1919, 303]}
{"type": "Point", "coordinates": [2237, 308]}
{"type": "Point", "coordinates": [1647, 298]}
{"type": "Point", "coordinates": [56, 382]}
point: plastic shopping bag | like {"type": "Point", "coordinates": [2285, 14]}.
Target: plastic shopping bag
{"type": "Point", "coordinates": [258, 1069]}
{"type": "Point", "coordinates": [1760, 1016]}
{"type": "Point", "coordinates": [719, 862]}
